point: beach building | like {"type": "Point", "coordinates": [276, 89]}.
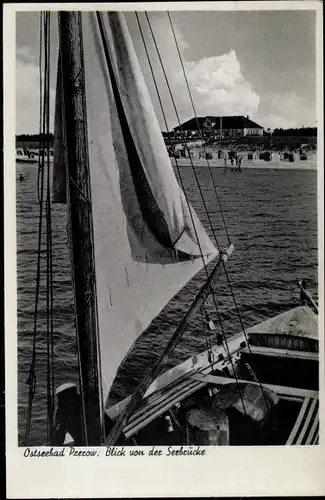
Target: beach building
{"type": "Point", "coordinates": [219, 126]}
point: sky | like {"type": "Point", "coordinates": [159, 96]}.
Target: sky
{"type": "Point", "coordinates": [256, 63]}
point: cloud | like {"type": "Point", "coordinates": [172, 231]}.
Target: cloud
{"type": "Point", "coordinates": [288, 110]}
{"type": "Point", "coordinates": [220, 87]}
{"type": "Point", "coordinates": [278, 121]}
{"type": "Point", "coordinates": [182, 43]}
{"type": "Point", "coordinates": [24, 54]}
{"type": "Point", "coordinates": [28, 93]}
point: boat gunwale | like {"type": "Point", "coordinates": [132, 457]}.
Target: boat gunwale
{"type": "Point", "coordinates": [201, 361]}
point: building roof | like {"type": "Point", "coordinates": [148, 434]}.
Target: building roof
{"type": "Point", "coordinates": [191, 124]}
{"type": "Point", "coordinates": [228, 122]}
{"type": "Point", "coordinates": [236, 122]}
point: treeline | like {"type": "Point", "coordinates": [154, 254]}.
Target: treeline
{"type": "Point", "coordinates": [34, 137]}
{"type": "Point", "coordinates": [295, 132]}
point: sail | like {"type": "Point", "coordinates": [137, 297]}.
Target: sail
{"type": "Point", "coordinates": [148, 242]}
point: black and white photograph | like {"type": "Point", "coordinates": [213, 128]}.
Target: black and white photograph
{"type": "Point", "coordinates": [167, 229]}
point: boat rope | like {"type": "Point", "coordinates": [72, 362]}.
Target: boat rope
{"type": "Point", "coordinates": [228, 350]}
{"type": "Point", "coordinates": [216, 193]}
{"type": "Point", "coordinates": [207, 335]}
{"type": "Point", "coordinates": [49, 254]}
{"type": "Point", "coordinates": [44, 117]}
{"type": "Point", "coordinates": [180, 124]}
{"type": "Point", "coordinates": [210, 354]}
{"type": "Point", "coordinates": [204, 203]}
{"type": "Point", "coordinates": [194, 110]}
{"type": "Point", "coordinates": [179, 121]}
{"type": "Point", "coordinates": [166, 125]}
{"type": "Point", "coordinates": [175, 108]}
{"type": "Point", "coordinates": [31, 381]}
{"type": "Point", "coordinates": [202, 197]}
{"type": "Point", "coordinates": [180, 176]}
{"type": "Point", "coordinates": [246, 339]}
{"type": "Point", "coordinates": [40, 62]}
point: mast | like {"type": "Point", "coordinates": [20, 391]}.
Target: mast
{"type": "Point", "coordinates": [82, 249]}
{"type": "Point", "coordinates": [152, 375]}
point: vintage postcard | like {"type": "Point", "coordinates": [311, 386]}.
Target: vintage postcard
{"type": "Point", "coordinates": [164, 249]}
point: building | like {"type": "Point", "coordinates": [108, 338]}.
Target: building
{"type": "Point", "coordinates": [219, 126]}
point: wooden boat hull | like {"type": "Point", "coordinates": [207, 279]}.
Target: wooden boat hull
{"type": "Point", "coordinates": [285, 361]}
{"type": "Point", "coordinates": [269, 375]}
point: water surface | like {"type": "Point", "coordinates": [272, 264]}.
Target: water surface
{"type": "Point", "coordinates": [271, 218]}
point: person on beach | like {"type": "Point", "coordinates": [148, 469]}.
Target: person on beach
{"type": "Point", "coordinates": [225, 163]}
{"type": "Point", "coordinates": [237, 162]}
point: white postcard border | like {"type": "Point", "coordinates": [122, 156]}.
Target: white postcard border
{"type": "Point", "coordinates": [223, 471]}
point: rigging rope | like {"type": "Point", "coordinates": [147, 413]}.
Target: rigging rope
{"type": "Point", "coordinates": [31, 381]}
{"type": "Point", "coordinates": [197, 121]}
{"type": "Point", "coordinates": [40, 169]}
{"type": "Point", "coordinates": [48, 312]}
{"type": "Point", "coordinates": [179, 121]}
{"type": "Point", "coordinates": [199, 187]}
{"type": "Point", "coordinates": [227, 349]}
{"type": "Point", "coordinates": [166, 125]}
{"type": "Point", "coordinates": [49, 266]}
{"type": "Point", "coordinates": [177, 166]}
{"type": "Point", "coordinates": [209, 167]}
{"type": "Point", "coordinates": [207, 335]}
{"type": "Point", "coordinates": [44, 124]}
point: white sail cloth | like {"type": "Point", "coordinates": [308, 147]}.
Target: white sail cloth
{"type": "Point", "coordinates": [145, 234]}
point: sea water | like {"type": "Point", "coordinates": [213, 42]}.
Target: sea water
{"type": "Point", "coordinates": [271, 218]}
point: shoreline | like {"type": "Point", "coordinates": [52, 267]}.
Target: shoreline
{"type": "Point", "coordinates": [246, 165]}
{"type": "Point", "coordinates": [253, 164]}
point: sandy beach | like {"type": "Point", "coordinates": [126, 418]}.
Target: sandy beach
{"type": "Point", "coordinates": [309, 164]}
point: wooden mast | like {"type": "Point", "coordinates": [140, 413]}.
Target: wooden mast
{"type": "Point", "coordinates": [82, 251]}
{"type": "Point", "coordinates": [150, 377]}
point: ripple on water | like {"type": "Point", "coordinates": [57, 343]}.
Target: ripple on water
{"type": "Point", "coordinates": [272, 220]}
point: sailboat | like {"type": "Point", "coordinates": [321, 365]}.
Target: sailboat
{"type": "Point", "coordinates": [135, 243]}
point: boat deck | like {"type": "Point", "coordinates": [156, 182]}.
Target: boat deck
{"type": "Point", "coordinates": [306, 428]}
{"type": "Point", "coordinates": [198, 372]}
{"type": "Point", "coordinates": [296, 329]}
